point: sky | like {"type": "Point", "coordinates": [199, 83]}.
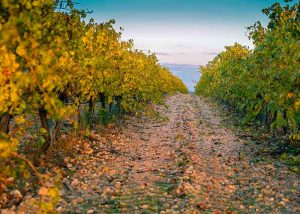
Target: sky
{"type": "Point", "coordinates": [187, 33]}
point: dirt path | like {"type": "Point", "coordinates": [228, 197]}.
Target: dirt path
{"type": "Point", "coordinates": [185, 161]}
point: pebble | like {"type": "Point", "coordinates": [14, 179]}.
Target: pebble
{"type": "Point", "coordinates": [166, 205]}
{"type": "Point", "coordinates": [16, 195]}
{"type": "Point", "coordinates": [118, 185]}
{"type": "Point", "coordinates": [144, 206]}
{"type": "Point", "coordinates": [59, 209]}
{"type": "Point", "coordinates": [90, 211]}
{"type": "Point", "coordinates": [281, 203]}
{"type": "Point", "coordinates": [175, 207]}
{"type": "Point", "coordinates": [7, 211]}
{"type": "Point", "coordinates": [75, 182]}
{"type": "Point", "coordinates": [77, 200]}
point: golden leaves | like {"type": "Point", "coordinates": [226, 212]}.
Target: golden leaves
{"type": "Point", "coordinates": [7, 147]}
{"type": "Point", "coordinates": [21, 51]}
{"type": "Point", "coordinates": [260, 83]}
{"type": "Point", "coordinates": [35, 3]}
{"type": "Point", "coordinates": [44, 53]}
{"type": "Point", "coordinates": [297, 105]}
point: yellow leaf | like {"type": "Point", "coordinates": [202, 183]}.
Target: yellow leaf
{"type": "Point", "coordinates": [20, 119]}
{"type": "Point", "coordinates": [21, 50]}
{"type": "Point", "coordinates": [297, 105]}
{"type": "Point", "coordinates": [28, 5]}
{"type": "Point", "coordinates": [14, 97]}
{"type": "Point", "coordinates": [35, 3]}
{"type": "Point", "coordinates": [43, 131]}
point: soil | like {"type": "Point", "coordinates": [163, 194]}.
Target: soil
{"type": "Point", "coordinates": [187, 159]}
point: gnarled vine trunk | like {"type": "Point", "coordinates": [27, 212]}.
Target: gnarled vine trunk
{"type": "Point", "coordinates": [4, 122]}
{"type": "Point", "coordinates": [46, 126]}
{"type": "Point", "coordinates": [119, 106]}
{"type": "Point", "coordinates": [102, 100]}
{"type": "Point", "coordinates": [92, 111]}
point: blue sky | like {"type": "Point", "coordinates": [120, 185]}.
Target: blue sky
{"type": "Point", "coordinates": [189, 32]}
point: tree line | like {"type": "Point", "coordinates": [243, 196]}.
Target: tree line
{"type": "Point", "coordinates": [52, 61]}
{"type": "Point", "coordinates": [263, 83]}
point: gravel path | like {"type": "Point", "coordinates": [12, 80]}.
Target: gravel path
{"type": "Point", "coordinates": [186, 160]}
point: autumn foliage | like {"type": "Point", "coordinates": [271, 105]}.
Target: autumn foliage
{"type": "Point", "coordinates": [52, 62]}
{"type": "Point", "coordinates": [263, 83]}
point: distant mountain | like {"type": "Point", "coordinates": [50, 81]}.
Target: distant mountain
{"type": "Point", "coordinates": [188, 73]}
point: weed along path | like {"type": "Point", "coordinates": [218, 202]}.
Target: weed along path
{"type": "Point", "coordinates": [186, 160]}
